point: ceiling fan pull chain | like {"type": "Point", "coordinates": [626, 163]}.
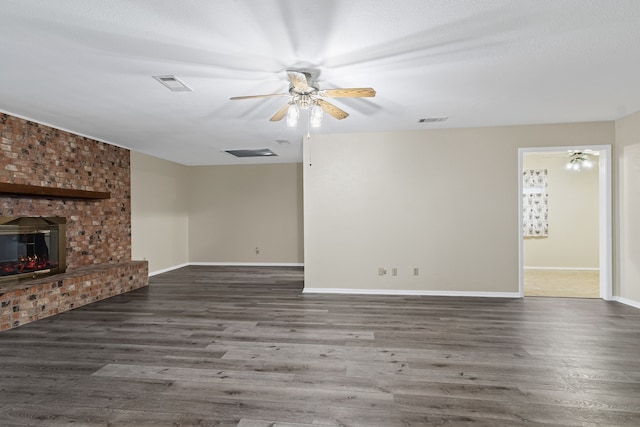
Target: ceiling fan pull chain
{"type": "Point", "coordinates": [309, 134]}
{"type": "Point", "coordinates": [309, 148]}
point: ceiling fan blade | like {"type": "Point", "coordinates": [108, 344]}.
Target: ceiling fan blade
{"type": "Point", "coordinates": [299, 81]}
{"type": "Point", "coordinates": [235, 98]}
{"type": "Point", "coordinates": [356, 92]}
{"type": "Point", "coordinates": [281, 113]}
{"type": "Point", "coordinates": [332, 110]}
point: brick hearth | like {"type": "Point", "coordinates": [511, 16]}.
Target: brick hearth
{"type": "Point", "coordinates": [24, 302]}
{"type": "Point", "coordinates": [98, 231]}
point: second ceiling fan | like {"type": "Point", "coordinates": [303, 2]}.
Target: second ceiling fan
{"type": "Point", "coordinates": [306, 95]}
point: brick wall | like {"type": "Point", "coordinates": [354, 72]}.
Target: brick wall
{"type": "Point", "coordinates": [98, 231]}
{"type": "Point", "coordinates": [98, 240]}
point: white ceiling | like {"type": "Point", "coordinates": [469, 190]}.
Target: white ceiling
{"type": "Point", "coordinates": [87, 66]}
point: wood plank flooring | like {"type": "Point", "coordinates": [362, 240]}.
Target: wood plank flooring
{"type": "Point", "coordinates": [239, 346]}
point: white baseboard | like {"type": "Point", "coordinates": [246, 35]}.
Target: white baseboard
{"type": "Point", "coordinates": [251, 264]}
{"type": "Point", "coordinates": [165, 270]}
{"type": "Point", "coordinates": [409, 292]}
{"type": "Point", "coordinates": [627, 301]}
{"type": "Point", "coordinates": [563, 268]}
{"type": "Point", "coordinates": [245, 264]}
{"type": "Point", "coordinates": [406, 292]}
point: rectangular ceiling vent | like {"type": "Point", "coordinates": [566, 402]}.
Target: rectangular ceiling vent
{"type": "Point", "coordinates": [260, 152]}
{"type": "Point", "coordinates": [172, 83]}
{"type": "Point", "coordinates": [433, 119]}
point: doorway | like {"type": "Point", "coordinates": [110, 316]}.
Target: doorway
{"type": "Point", "coordinates": [568, 252]}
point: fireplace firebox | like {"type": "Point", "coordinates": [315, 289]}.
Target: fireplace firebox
{"type": "Point", "coordinates": [31, 247]}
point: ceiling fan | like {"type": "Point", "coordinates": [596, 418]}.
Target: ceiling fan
{"type": "Point", "coordinates": [580, 158]}
{"type": "Point", "coordinates": [306, 95]}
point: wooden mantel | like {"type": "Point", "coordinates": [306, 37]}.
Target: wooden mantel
{"type": "Point", "coordinates": [34, 190]}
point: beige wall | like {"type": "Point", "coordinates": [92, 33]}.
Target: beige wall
{"type": "Point", "coordinates": [382, 200]}
{"type": "Point", "coordinates": [234, 209]}
{"type": "Point", "coordinates": [573, 215]}
{"type": "Point", "coordinates": [444, 201]}
{"type": "Point", "coordinates": [159, 217]}
{"type": "Point", "coordinates": [627, 208]}
{"type": "Point", "coordinates": [215, 214]}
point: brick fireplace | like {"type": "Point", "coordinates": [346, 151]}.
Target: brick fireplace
{"type": "Point", "coordinates": [46, 172]}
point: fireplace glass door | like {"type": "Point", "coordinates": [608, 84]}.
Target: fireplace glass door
{"type": "Point", "coordinates": [30, 247]}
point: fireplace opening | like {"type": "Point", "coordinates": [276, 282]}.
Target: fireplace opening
{"type": "Point", "coordinates": [31, 247]}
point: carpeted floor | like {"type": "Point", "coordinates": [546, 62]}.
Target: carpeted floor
{"type": "Point", "coordinates": [562, 283]}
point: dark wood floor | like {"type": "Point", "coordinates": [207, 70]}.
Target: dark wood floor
{"type": "Point", "coordinates": [224, 346]}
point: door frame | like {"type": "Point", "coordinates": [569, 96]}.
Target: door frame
{"type": "Point", "coordinates": [605, 229]}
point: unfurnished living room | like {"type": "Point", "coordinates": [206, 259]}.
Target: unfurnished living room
{"type": "Point", "coordinates": [295, 213]}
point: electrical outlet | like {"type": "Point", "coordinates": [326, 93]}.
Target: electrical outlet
{"type": "Point", "coordinates": [416, 271]}
{"type": "Point", "coordinates": [381, 271]}
{"type": "Point", "coordinates": [257, 250]}
{"type": "Point", "coordinates": [394, 271]}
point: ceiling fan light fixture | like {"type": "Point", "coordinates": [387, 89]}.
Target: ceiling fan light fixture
{"type": "Point", "coordinates": [293, 114]}
{"type": "Point", "coordinates": [316, 115]}
{"type": "Point", "coordinates": [579, 160]}
{"type": "Point", "coordinates": [305, 94]}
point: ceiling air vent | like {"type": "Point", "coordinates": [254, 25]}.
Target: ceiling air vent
{"type": "Point", "coordinates": [260, 152]}
{"type": "Point", "coordinates": [433, 119]}
{"type": "Point", "coordinates": [172, 83]}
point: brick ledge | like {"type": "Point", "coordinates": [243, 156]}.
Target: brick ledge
{"type": "Point", "coordinates": [24, 302]}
